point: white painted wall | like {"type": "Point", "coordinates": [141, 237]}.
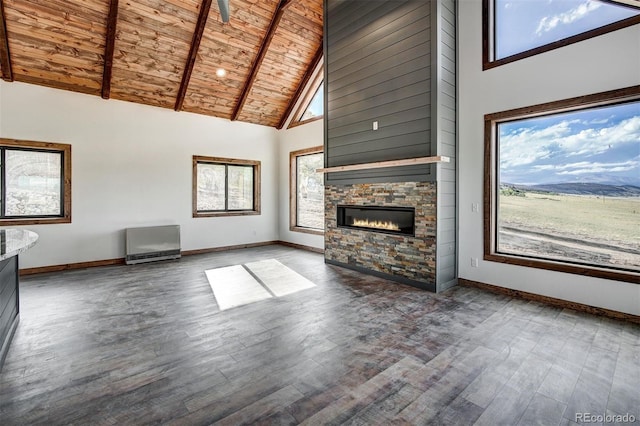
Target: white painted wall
{"type": "Point", "coordinates": [131, 166]}
{"type": "Point", "coordinates": [608, 62]}
{"type": "Point", "coordinates": [132, 163]}
{"type": "Point", "coordinates": [294, 139]}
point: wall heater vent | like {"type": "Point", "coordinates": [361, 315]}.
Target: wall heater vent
{"type": "Point", "coordinates": [152, 243]}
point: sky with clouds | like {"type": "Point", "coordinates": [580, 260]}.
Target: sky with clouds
{"type": "Point", "coordinates": [599, 145]}
{"type": "Point", "coordinates": [525, 24]}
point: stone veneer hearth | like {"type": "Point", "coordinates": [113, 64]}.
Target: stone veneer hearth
{"type": "Point", "coordinates": [403, 258]}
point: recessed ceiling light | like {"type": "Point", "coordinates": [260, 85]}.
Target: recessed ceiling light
{"type": "Point", "coordinates": [221, 72]}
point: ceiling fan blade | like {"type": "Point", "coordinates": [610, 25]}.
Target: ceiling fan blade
{"type": "Point", "coordinates": [223, 5]}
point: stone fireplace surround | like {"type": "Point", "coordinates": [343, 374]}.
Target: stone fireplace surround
{"type": "Point", "coordinates": [406, 259]}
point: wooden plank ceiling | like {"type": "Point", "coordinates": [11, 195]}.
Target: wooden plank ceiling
{"type": "Point", "coordinates": [166, 52]}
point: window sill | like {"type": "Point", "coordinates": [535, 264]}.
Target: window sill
{"type": "Point", "coordinates": [558, 266]}
{"type": "Point", "coordinates": [306, 230]}
{"type": "Point", "coordinates": [34, 221]}
{"type": "Point", "coordinates": [231, 213]}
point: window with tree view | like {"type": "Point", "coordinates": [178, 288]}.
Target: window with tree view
{"type": "Point", "coordinates": [524, 28]}
{"type": "Point", "coordinates": [307, 189]}
{"type": "Point", "coordinates": [35, 182]}
{"type": "Point", "coordinates": [225, 186]}
{"type": "Point", "coordinates": [566, 185]}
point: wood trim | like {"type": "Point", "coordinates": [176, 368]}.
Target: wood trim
{"type": "Point", "coordinates": [391, 163]}
{"type": "Point", "coordinates": [221, 160]}
{"type": "Point", "coordinates": [584, 270]}
{"type": "Point", "coordinates": [264, 47]}
{"type": "Point", "coordinates": [109, 48]}
{"type": "Point", "coordinates": [227, 248]}
{"type": "Point", "coordinates": [487, 33]}
{"type": "Point", "coordinates": [293, 187]}
{"type": "Point", "coordinates": [296, 123]}
{"type": "Point", "coordinates": [71, 266]}
{"type": "Point", "coordinates": [65, 149]}
{"type": "Point", "coordinates": [488, 42]}
{"type": "Point", "coordinates": [30, 221]}
{"type": "Point", "coordinates": [193, 52]}
{"type": "Point", "coordinates": [301, 88]}
{"type": "Point", "coordinates": [633, 3]}
{"type": "Point", "coordinates": [121, 260]}
{"type": "Point", "coordinates": [300, 246]}
{"type": "Point", "coordinates": [227, 213]}
{"type": "Point", "coordinates": [5, 57]}
{"type": "Point", "coordinates": [257, 186]}
{"type": "Point", "coordinates": [305, 230]}
{"type": "Point", "coordinates": [565, 105]}
{"type": "Point", "coordinates": [490, 183]}
{"type": "Point", "coordinates": [565, 304]}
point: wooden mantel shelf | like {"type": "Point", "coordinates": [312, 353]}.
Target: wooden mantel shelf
{"type": "Point", "coordinates": [392, 163]}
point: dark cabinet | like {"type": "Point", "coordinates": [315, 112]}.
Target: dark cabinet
{"type": "Point", "coordinates": [9, 303]}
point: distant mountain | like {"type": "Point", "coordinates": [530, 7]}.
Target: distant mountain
{"type": "Point", "coordinates": [611, 180]}
{"type": "Point", "coordinates": [583, 188]}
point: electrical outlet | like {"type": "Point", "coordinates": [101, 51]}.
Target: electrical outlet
{"type": "Point", "coordinates": [375, 125]}
{"type": "Point", "coordinates": [474, 262]}
{"type": "Point", "coordinates": [474, 207]}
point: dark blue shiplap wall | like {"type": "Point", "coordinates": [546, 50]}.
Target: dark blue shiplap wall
{"type": "Point", "coordinates": [378, 68]}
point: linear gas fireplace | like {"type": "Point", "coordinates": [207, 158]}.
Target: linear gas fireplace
{"type": "Point", "coordinates": [407, 255]}
{"type": "Point", "coordinates": [389, 220]}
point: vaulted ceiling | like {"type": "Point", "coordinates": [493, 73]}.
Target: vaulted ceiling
{"type": "Point", "coordinates": [166, 52]}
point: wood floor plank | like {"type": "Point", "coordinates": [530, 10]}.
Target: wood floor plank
{"type": "Point", "coordinates": [148, 344]}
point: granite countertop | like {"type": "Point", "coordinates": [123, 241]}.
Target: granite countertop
{"type": "Point", "coordinates": [15, 241]}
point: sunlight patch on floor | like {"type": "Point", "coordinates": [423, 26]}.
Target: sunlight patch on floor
{"type": "Point", "coordinates": [243, 284]}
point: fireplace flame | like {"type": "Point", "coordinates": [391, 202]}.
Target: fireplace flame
{"type": "Point", "coordinates": [376, 224]}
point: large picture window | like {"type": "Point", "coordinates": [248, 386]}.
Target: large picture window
{"type": "Point", "coordinates": [562, 185]}
{"type": "Point", "coordinates": [514, 30]}
{"type": "Point", "coordinates": [307, 191]}
{"type": "Point", "coordinates": [225, 187]}
{"type": "Point", "coordinates": [35, 182]}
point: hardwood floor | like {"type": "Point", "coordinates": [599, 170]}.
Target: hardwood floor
{"type": "Point", "coordinates": [147, 344]}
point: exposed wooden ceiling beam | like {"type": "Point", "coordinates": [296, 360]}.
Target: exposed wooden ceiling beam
{"type": "Point", "coordinates": [301, 87]}
{"type": "Point", "coordinates": [193, 52]}
{"type": "Point", "coordinates": [260, 57]}
{"type": "Point", "coordinates": [109, 49]}
{"type": "Point", "coordinates": [5, 59]}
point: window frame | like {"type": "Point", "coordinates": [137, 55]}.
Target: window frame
{"type": "Point", "coordinates": [488, 36]}
{"type": "Point", "coordinates": [293, 190]}
{"type": "Point", "coordinates": [199, 159]}
{"type": "Point", "coordinates": [306, 100]}
{"type": "Point", "coordinates": [65, 184]}
{"type": "Point", "coordinates": [491, 172]}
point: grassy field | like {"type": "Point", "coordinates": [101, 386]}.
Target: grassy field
{"type": "Point", "coordinates": [574, 228]}
{"type": "Point", "coordinates": [611, 221]}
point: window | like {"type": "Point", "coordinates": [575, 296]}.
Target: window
{"type": "Point", "coordinates": [225, 187]}
{"type": "Point", "coordinates": [307, 191]}
{"type": "Point", "coordinates": [514, 29]}
{"type": "Point", "coordinates": [35, 182]}
{"type": "Point", "coordinates": [312, 106]}
{"type": "Point", "coordinates": [315, 108]}
{"type": "Point", "coordinates": [563, 185]}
